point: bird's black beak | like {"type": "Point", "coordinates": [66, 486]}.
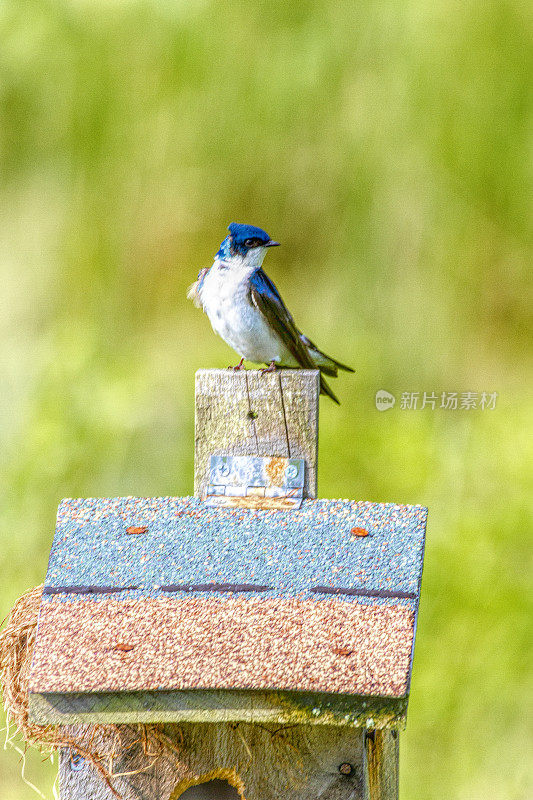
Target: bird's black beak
{"type": "Point", "coordinates": [272, 243]}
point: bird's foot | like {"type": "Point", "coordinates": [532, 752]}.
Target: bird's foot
{"type": "Point", "coordinates": [271, 368]}
{"type": "Point", "coordinates": [238, 367]}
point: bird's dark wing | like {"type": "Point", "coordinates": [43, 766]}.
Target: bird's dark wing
{"type": "Point", "coordinates": [327, 364]}
{"type": "Point", "coordinates": [267, 300]}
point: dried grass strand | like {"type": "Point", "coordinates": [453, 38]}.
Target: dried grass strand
{"type": "Point", "coordinates": [99, 745]}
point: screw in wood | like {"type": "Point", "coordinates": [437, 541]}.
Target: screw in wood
{"type": "Point", "coordinates": [345, 768]}
{"type": "Point", "coordinates": [77, 762]}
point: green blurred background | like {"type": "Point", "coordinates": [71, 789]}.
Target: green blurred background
{"type": "Point", "coordinates": [387, 145]}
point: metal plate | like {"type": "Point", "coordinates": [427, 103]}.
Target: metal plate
{"type": "Point", "coordinates": [255, 482]}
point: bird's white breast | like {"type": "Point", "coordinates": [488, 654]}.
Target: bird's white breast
{"type": "Point", "coordinates": [225, 298]}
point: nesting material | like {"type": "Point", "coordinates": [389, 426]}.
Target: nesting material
{"type": "Point", "coordinates": [101, 745]}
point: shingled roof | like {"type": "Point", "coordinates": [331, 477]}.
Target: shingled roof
{"type": "Point", "coordinates": [157, 608]}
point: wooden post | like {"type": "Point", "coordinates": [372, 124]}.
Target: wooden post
{"type": "Point", "coordinates": [245, 413]}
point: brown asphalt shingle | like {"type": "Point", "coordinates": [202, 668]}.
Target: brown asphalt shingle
{"type": "Point", "coordinates": [214, 643]}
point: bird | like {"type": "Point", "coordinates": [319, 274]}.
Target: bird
{"type": "Point", "coordinates": [246, 309]}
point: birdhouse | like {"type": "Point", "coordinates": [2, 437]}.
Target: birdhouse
{"type": "Point", "coordinates": [270, 632]}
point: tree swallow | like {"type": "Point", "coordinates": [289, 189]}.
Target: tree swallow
{"type": "Point", "coordinates": [246, 310]}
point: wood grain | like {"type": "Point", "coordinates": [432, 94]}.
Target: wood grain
{"type": "Point", "coordinates": [381, 765]}
{"type": "Point", "coordinates": [264, 762]}
{"type": "Point", "coordinates": [218, 706]}
{"type": "Point", "coordinates": [246, 413]}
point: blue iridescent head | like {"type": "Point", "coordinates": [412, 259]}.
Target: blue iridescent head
{"type": "Point", "coordinates": [242, 239]}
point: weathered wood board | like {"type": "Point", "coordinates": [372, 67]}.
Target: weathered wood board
{"type": "Point", "coordinates": [282, 708]}
{"type": "Point", "coordinates": [247, 413]}
{"type": "Point", "coordinates": [264, 762]}
{"type": "Point", "coordinates": [381, 765]}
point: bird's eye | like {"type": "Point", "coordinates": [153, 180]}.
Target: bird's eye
{"type": "Point", "coordinates": [251, 242]}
